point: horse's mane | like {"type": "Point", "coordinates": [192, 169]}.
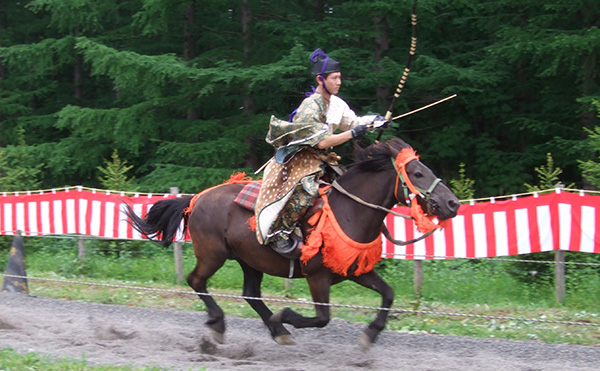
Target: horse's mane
{"type": "Point", "coordinates": [377, 157]}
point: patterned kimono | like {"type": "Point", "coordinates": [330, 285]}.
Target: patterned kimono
{"type": "Point", "coordinates": [290, 178]}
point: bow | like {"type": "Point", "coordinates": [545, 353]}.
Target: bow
{"type": "Point", "coordinates": [411, 53]}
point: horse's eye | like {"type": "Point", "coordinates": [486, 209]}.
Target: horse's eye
{"type": "Point", "coordinates": [418, 174]}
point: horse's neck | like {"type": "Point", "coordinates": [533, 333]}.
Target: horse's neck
{"type": "Point", "coordinates": [360, 222]}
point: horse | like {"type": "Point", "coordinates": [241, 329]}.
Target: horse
{"type": "Point", "coordinates": [361, 200]}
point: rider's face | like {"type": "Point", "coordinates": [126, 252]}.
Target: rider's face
{"type": "Point", "coordinates": [333, 82]}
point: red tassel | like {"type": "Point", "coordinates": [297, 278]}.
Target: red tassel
{"type": "Point", "coordinates": [252, 223]}
{"type": "Point", "coordinates": [239, 177]}
{"type": "Point", "coordinates": [424, 223]}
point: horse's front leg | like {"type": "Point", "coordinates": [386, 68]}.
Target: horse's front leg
{"type": "Point", "coordinates": [373, 281]}
{"type": "Point", "coordinates": [252, 283]}
{"type": "Point", "coordinates": [320, 286]}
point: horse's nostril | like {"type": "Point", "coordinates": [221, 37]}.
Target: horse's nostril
{"type": "Point", "coordinates": [453, 205]}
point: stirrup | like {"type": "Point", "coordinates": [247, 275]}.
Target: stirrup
{"type": "Point", "coordinates": [289, 248]}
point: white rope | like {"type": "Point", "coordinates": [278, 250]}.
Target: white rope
{"type": "Point", "coordinates": [306, 302]}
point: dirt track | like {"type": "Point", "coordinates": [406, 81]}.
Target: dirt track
{"type": "Point", "coordinates": [178, 340]}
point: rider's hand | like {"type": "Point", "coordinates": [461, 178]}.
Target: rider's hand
{"type": "Point", "coordinates": [359, 131]}
{"type": "Point", "coordinates": [379, 122]}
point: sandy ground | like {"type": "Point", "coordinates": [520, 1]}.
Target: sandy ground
{"type": "Point", "coordinates": [177, 340]}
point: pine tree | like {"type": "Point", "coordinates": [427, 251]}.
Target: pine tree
{"type": "Point", "coordinates": [463, 187]}
{"type": "Point", "coordinates": [591, 167]}
{"type": "Point", "coordinates": [548, 176]}
{"type": "Point", "coordinates": [19, 170]}
{"type": "Point", "coordinates": [114, 174]}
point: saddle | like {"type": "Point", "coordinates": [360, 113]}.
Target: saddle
{"type": "Point", "coordinates": [247, 198]}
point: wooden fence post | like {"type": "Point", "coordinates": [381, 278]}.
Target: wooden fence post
{"type": "Point", "coordinates": [177, 250]}
{"type": "Point", "coordinates": [559, 275]}
{"type": "Point", "coordinates": [81, 249]}
{"type": "Point", "coordinates": [418, 277]}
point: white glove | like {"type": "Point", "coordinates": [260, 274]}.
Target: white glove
{"type": "Point", "coordinates": [379, 122]}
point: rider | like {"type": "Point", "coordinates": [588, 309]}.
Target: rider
{"type": "Point", "coordinates": [302, 149]}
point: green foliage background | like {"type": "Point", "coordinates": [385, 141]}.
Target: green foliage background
{"type": "Point", "coordinates": [183, 90]}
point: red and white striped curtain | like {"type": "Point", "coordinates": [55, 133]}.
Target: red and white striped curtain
{"type": "Point", "coordinates": [561, 220]}
{"type": "Point", "coordinates": [73, 211]}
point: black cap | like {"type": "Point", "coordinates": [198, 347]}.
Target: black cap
{"type": "Point", "coordinates": [322, 64]}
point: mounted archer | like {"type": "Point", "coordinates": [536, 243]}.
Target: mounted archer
{"type": "Point", "coordinates": [303, 149]}
{"type": "Point", "coordinates": [344, 236]}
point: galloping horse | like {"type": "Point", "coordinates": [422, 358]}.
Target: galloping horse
{"type": "Point", "coordinates": [219, 231]}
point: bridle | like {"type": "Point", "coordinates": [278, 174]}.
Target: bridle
{"type": "Point", "coordinates": [409, 190]}
{"type": "Point", "coordinates": [410, 193]}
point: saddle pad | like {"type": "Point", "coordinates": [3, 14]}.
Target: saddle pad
{"type": "Point", "coordinates": [247, 196]}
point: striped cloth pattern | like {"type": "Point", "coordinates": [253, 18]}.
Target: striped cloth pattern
{"type": "Point", "coordinates": [565, 221]}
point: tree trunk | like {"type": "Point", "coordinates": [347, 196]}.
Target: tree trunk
{"type": "Point", "coordinates": [589, 85]}
{"type": "Point", "coordinates": [189, 46]}
{"type": "Point", "coordinates": [319, 9]}
{"type": "Point", "coordinates": [247, 45]}
{"type": "Point", "coordinates": [78, 79]}
{"type": "Point", "coordinates": [251, 159]}
{"type": "Point", "coordinates": [2, 68]}
{"type": "Point", "coordinates": [383, 45]}
{"type": "Point", "coordinates": [189, 34]}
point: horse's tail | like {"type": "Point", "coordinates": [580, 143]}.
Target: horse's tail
{"type": "Point", "coordinates": [162, 221]}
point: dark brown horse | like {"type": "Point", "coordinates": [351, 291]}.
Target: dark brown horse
{"type": "Point", "coordinates": [219, 231]}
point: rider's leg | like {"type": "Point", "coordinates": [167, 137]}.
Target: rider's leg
{"type": "Point", "coordinates": [286, 242]}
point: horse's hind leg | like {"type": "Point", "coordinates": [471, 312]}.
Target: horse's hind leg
{"type": "Point", "coordinates": [373, 281]}
{"type": "Point", "coordinates": [252, 282]}
{"type": "Point", "coordinates": [197, 280]}
{"type": "Point", "coordinates": [320, 288]}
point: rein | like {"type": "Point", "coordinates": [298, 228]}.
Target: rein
{"type": "Point", "coordinates": [343, 191]}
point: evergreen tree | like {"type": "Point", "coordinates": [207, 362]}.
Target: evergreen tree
{"type": "Point", "coordinates": [591, 168]}
{"type": "Point", "coordinates": [463, 187]}
{"type": "Point", "coordinates": [547, 176]}
{"type": "Point", "coordinates": [184, 90]}
{"type": "Point", "coordinates": [114, 174]}
{"type": "Point", "coordinates": [19, 169]}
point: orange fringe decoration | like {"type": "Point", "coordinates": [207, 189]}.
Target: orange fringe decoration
{"type": "Point", "coordinates": [252, 223]}
{"type": "Point", "coordinates": [235, 178]}
{"type": "Point", "coordinates": [339, 250]}
{"type": "Point", "coordinates": [424, 223]}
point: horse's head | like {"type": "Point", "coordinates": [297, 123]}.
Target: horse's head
{"type": "Point", "coordinates": [413, 180]}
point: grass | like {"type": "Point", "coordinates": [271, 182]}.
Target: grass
{"type": "Point", "coordinates": [13, 361]}
{"type": "Point", "coordinates": [483, 288]}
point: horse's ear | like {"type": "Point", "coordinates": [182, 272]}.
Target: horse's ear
{"type": "Point", "coordinates": [359, 151]}
{"type": "Point", "coordinates": [396, 146]}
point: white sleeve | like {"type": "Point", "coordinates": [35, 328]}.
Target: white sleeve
{"type": "Point", "coordinates": [340, 116]}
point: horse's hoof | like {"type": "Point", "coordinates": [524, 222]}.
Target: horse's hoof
{"type": "Point", "coordinates": [219, 337]}
{"type": "Point", "coordinates": [365, 342]}
{"type": "Point", "coordinates": [207, 346]}
{"type": "Point", "coordinates": [284, 340]}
